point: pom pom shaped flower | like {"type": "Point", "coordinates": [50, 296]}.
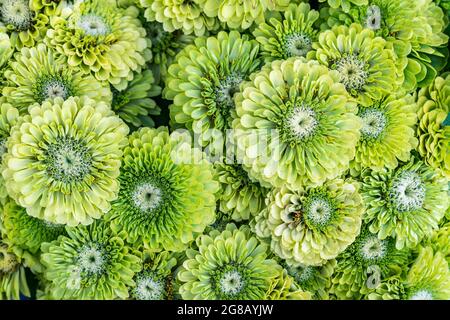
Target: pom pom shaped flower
{"type": "Point", "coordinates": [203, 81]}
{"type": "Point", "coordinates": [239, 195]}
{"type": "Point", "coordinates": [90, 262]}
{"type": "Point", "coordinates": [406, 203]}
{"type": "Point", "coordinates": [429, 277]}
{"type": "Point", "coordinates": [134, 104]}
{"type": "Point", "coordinates": [166, 195]}
{"type": "Point", "coordinates": [25, 234]}
{"type": "Point", "coordinates": [366, 262]}
{"type": "Point", "coordinates": [156, 280]}
{"type": "Point", "coordinates": [433, 104]}
{"type": "Point", "coordinates": [25, 27]}
{"type": "Point", "coordinates": [241, 14]}
{"type": "Point", "coordinates": [387, 133]}
{"type": "Point", "coordinates": [414, 30]}
{"type": "Point", "coordinates": [231, 265]}
{"type": "Point", "coordinates": [63, 160]}
{"type": "Point", "coordinates": [37, 75]}
{"type": "Point", "coordinates": [295, 124]}
{"type": "Point", "coordinates": [314, 279]}
{"type": "Point", "coordinates": [345, 4]}
{"type": "Point", "coordinates": [290, 34]}
{"type": "Point", "coordinates": [104, 40]}
{"type": "Point", "coordinates": [8, 118]}
{"type": "Point", "coordinates": [365, 63]}
{"type": "Point", "coordinates": [13, 282]}
{"type": "Point", "coordinates": [312, 225]}
{"type": "Point", "coordinates": [187, 16]}
{"type": "Point", "coordinates": [285, 288]}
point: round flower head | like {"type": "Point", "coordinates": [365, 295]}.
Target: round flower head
{"type": "Point", "coordinates": [166, 195]}
{"type": "Point", "coordinates": [312, 225]}
{"type": "Point", "coordinates": [165, 46]}
{"type": "Point", "coordinates": [429, 277]}
{"type": "Point", "coordinates": [13, 282]}
{"type": "Point", "coordinates": [366, 262]}
{"type": "Point", "coordinates": [156, 280]}
{"type": "Point", "coordinates": [231, 265]}
{"type": "Point", "coordinates": [284, 287]}
{"type": "Point", "coordinates": [25, 234]}
{"type": "Point", "coordinates": [63, 160]}
{"type": "Point", "coordinates": [90, 263]}
{"type": "Point", "coordinates": [241, 14]}
{"type": "Point", "coordinates": [239, 195]}
{"type": "Point", "coordinates": [37, 75]}
{"type": "Point", "coordinates": [413, 29]}
{"type": "Point", "coordinates": [290, 34]}
{"type": "Point", "coordinates": [387, 133]}
{"type": "Point", "coordinates": [413, 194]}
{"type": "Point", "coordinates": [345, 4]}
{"type": "Point", "coordinates": [25, 27]}
{"type": "Point", "coordinates": [365, 64]}
{"type": "Point", "coordinates": [433, 104]}
{"type": "Point", "coordinates": [295, 124]}
{"type": "Point", "coordinates": [104, 40]}
{"type": "Point", "coordinates": [187, 16]}
{"type": "Point", "coordinates": [203, 81]}
{"type": "Point", "coordinates": [8, 118]}
{"type": "Point", "coordinates": [314, 279]}
{"type": "Point", "coordinates": [134, 104]}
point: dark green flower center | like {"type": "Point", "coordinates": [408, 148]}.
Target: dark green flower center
{"type": "Point", "coordinates": [16, 13]}
{"type": "Point", "coordinates": [373, 17]}
{"type": "Point", "coordinates": [68, 160]}
{"type": "Point", "coordinates": [352, 72]}
{"type": "Point", "coordinates": [147, 197]}
{"type": "Point", "coordinates": [407, 191]}
{"type": "Point", "coordinates": [120, 98]}
{"type": "Point", "coordinates": [230, 281]}
{"type": "Point", "coordinates": [302, 122]}
{"type": "Point", "coordinates": [93, 25]}
{"type": "Point", "coordinates": [52, 86]}
{"type": "Point", "coordinates": [302, 274]}
{"type": "Point", "coordinates": [297, 45]}
{"type": "Point", "coordinates": [226, 89]}
{"type": "Point", "coordinates": [150, 286]}
{"type": "Point", "coordinates": [8, 261]}
{"type": "Point", "coordinates": [92, 259]}
{"type": "Point", "coordinates": [373, 123]}
{"type": "Point", "coordinates": [319, 211]}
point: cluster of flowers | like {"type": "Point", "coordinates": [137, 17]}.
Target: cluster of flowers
{"type": "Point", "coordinates": [337, 187]}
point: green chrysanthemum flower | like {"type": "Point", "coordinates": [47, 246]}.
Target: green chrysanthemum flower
{"type": "Point", "coordinates": [345, 4]}
{"type": "Point", "coordinates": [366, 262]}
{"type": "Point", "coordinates": [37, 75]}
{"type": "Point", "coordinates": [406, 203]}
{"type": "Point", "coordinates": [25, 234]}
{"type": "Point", "coordinates": [387, 133]}
{"type": "Point", "coordinates": [63, 160]}
{"type": "Point", "coordinates": [8, 118]}
{"type": "Point", "coordinates": [239, 195]}
{"type": "Point", "coordinates": [134, 104]}
{"type": "Point", "coordinates": [285, 288]}
{"type": "Point", "coordinates": [25, 27]}
{"type": "Point", "coordinates": [166, 198]}
{"type": "Point", "coordinates": [156, 280]}
{"type": "Point", "coordinates": [165, 46]}
{"type": "Point", "coordinates": [316, 280]}
{"type": "Point", "coordinates": [89, 263]}
{"type": "Point", "coordinates": [295, 124]}
{"type": "Point", "coordinates": [185, 15]}
{"type": "Point", "coordinates": [104, 40]}
{"type": "Point", "coordinates": [228, 265]}
{"type": "Point", "coordinates": [290, 34]}
{"type": "Point", "coordinates": [312, 225]}
{"type": "Point", "coordinates": [434, 136]}
{"type": "Point", "coordinates": [241, 14]}
{"type": "Point", "coordinates": [414, 30]}
{"type": "Point", "coordinates": [203, 80]}
{"type": "Point", "coordinates": [429, 277]}
{"type": "Point", "coordinates": [365, 64]}
{"type": "Point", "coordinates": [13, 281]}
